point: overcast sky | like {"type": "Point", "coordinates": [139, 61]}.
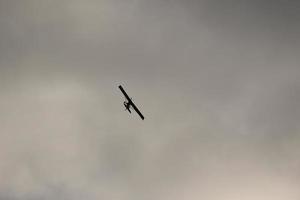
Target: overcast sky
{"type": "Point", "coordinates": [217, 81]}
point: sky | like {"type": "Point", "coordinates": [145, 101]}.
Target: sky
{"type": "Point", "coordinates": [217, 81]}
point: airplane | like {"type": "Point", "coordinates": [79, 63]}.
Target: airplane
{"type": "Point", "coordinates": [129, 103]}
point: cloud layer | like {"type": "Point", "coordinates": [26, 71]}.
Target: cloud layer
{"type": "Point", "coordinates": [218, 83]}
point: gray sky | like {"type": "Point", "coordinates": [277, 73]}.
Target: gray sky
{"type": "Point", "coordinates": [218, 83]}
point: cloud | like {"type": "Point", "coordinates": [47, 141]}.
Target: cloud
{"type": "Point", "coordinates": [216, 81]}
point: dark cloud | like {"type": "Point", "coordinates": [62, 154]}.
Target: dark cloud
{"type": "Point", "coordinates": [274, 18]}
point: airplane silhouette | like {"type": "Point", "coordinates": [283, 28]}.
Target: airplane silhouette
{"type": "Point", "coordinates": [129, 103]}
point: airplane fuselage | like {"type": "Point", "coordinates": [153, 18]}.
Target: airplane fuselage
{"type": "Point", "coordinates": [127, 106]}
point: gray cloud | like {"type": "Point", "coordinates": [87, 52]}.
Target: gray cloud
{"type": "Point", "coordinates": [217, 82]}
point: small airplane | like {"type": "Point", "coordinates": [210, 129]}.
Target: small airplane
{"type": "Point", "coordinates": [129, 103]}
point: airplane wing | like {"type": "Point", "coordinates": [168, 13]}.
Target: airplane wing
{"type": "Point", "coordinates": [125, 94]}
{"type": "Point", "coordinates": [136, 109]}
